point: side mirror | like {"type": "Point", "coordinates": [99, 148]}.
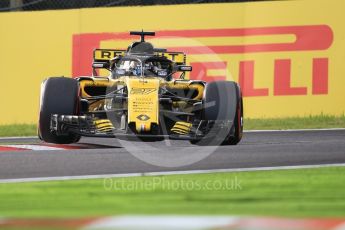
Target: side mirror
{"type": "Point", "coordinates": [99, 65]}
{"type": "Point", "coordinates": [184, 68]}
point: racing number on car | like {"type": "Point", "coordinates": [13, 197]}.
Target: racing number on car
{"type": "Point", "coordinates": [142, 91]}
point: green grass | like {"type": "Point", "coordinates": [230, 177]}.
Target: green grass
{"type": "Point", "coordinates": [293, 193]}
{"type": "Point", "coordinates": [18, 130]}
{"type": "Point", "coordinates": [310, 122]}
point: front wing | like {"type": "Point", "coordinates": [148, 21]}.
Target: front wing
{"type": "Point", "coordinates": [86, 126]}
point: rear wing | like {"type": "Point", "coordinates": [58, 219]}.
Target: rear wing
{"type": "Point", "coordinates": [102, 56]}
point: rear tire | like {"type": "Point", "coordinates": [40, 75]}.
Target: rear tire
{"type": "Point", "coordinates": [59, 95]}
{"type": "Point", "coordinates": [223, 101]}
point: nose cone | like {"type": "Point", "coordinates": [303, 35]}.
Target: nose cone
{"type": "Point", "coordinates": [143, 103]}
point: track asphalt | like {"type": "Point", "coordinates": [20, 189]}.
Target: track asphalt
{"type": "Point", "coordinates": [97, 156]}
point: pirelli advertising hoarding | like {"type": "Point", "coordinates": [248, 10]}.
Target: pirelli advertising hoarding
{"type": "Point", "coordinates": [288, 56]}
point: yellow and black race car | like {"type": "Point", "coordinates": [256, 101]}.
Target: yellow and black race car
{"type": "Point", "coordinates": [145, 97]}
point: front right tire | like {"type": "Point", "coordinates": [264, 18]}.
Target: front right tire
{"type": "Point", "coordinates": [223, 101]}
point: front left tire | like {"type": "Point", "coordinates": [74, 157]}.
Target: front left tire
{"type": "Point", "coordinates": [59, 95]}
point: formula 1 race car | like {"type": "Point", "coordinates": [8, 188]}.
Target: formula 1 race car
{"type": "Point", "coordinates": [145, 97]}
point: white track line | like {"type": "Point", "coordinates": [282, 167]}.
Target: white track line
{"type": "Point", "coordinates": [104, 176]}
{"type": "Point", "coordinates": [203, 222]}
{"type": "Point", "coordinates": [34, 147]}
{"type": "Point", "coordinates": [340, 227]}
{"type": "Point", "coordinates": [164, 222]}
{"type": "Point", "coordinates": [292, 130]}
